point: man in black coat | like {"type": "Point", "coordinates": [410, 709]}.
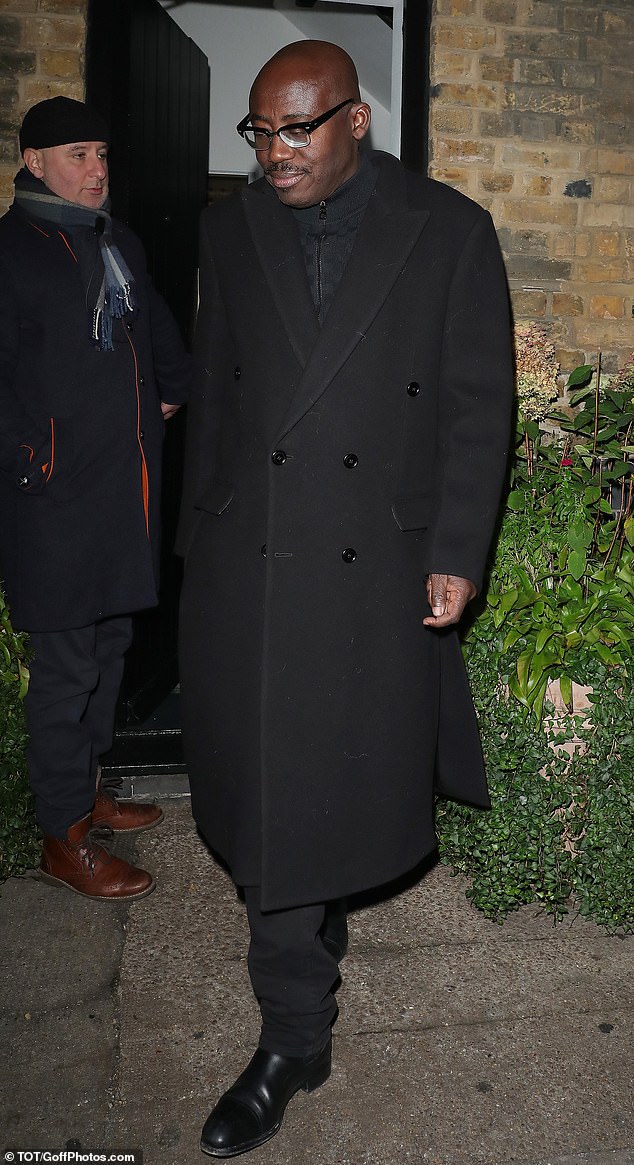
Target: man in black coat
{"type": "Point", "coordinates": [348, 435]}
{"type": "Point", "coordinates": [88, 351]}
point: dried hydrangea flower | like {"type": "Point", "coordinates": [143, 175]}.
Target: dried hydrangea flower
{"type": "Point", "coordinates": [536, 371]}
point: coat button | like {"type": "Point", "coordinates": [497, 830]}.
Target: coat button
{"type": "Point", "coordinates": [237, 372]}
{"type": "Point", "coordinates": [263, 550]}
{"type": "Point", "coordinates": [413, 388]}
{"type": "Point", "coordinates": [348, 554]}
{"type": "Point", "coordinates": [278, 457]}
{"type": "Point", "coordinates": [350, 460]}
{"type": "Point", "coordinates": [142, 434]}
{"type": "Point", "coordinates": [141, 380]}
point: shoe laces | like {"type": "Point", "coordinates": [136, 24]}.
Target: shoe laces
{"type": "Point", "coordinates": [89, 854]}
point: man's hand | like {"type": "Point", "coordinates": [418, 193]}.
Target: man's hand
{"type": "Point", "coordinates": [168, 410]}
{"type": "Point", "coordinates": [448, 596]}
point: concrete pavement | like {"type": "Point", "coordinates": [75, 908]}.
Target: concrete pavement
{"type": "Point", "coordinates": [459, 1042]}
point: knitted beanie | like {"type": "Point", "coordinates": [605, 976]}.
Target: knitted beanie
{"type": "Point", "coordinates": [60, 121]}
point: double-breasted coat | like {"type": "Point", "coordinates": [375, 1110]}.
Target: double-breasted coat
{"type": "Point", "coordinates": [81, 429]}
{"type": "Point", "coordinates": [329, 470]}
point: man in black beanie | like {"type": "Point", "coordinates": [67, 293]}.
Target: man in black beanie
{"type": "Point", "coordinates": [89, 354]}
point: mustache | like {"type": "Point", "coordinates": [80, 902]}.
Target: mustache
{"type": "Point", "coordinates": [284, 168]}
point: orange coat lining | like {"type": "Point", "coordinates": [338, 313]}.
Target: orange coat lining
{"type": "Point", "coordinates": [63, 236]}
{"type": "Point", "coordinates": [52, 463]}
{"type": "Point", "coordinates": [144, 471]}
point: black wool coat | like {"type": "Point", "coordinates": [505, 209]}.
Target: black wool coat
{"type": "Point", "coordinates": [81, 430]}
{"type": "Point", "coordinates": [328, 472]}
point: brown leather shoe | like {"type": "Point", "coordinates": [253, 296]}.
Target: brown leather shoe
{"type": "Point", "coordinates": [88, 869]}
{"type": "Point", "coordinates": [123, 816]}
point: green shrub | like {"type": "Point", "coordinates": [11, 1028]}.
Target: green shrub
{"type": "Point", "coordinates": [19, 849]}
{"type": "Point", "coordinates": [559, 829]}
{"type": "Point", "coordinates": [560, 606]}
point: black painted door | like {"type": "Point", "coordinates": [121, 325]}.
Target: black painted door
{"type": "Point", "coordinates": [415, 85]}
{"type": "Point", "coordinates": [152, 84]}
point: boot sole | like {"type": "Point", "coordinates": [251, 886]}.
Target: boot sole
{"type": "Point", "coordinates": [52, 881]}
{"type": "Point", "coordinates": [107, 829]}
{"type": "Point", "coordinates": [314, 1081]}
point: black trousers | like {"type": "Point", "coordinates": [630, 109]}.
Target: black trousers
{"type": "Point", "coordinates": [293, 977]}
{"type": "Point", "coordinates": [70, 707]}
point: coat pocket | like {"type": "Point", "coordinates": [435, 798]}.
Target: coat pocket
{"type": "Point", "coordinates": [60, 485]}
{"type": "Point", "coordinates": [411, 511]}
{"type": "Point", "coordinates": [215, 498]}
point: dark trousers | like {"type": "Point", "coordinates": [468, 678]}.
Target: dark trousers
{"type": "Point", "coordinates": [292, 975]}
{"type": "Point", "coordinates": [70, 707]}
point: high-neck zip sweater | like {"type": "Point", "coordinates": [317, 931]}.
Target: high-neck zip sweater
{"type": "Point", "coordinates": [328, 230]}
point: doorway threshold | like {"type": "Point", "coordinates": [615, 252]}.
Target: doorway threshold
{"type": "Point", "coordinates": [146, 760]}
{"type": "Point", "coordinates": [146, 765]}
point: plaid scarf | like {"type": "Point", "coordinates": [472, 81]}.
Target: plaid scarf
{"type": "Point", "coordinates": [116, 294]}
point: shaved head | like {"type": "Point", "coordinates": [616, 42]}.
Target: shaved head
{"type": "Point", "coordinates": [302, 82]}
{"type": "Point", "coordinates": [316, 61]}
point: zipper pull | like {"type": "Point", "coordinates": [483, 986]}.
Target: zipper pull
{"type": "Point", "coordinates": [322, 210]}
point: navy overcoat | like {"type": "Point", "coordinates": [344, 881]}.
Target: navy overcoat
{"type": "Point", "coordinates": [329, 470]}
{"type": "Point", "coordinates": [81, 430]}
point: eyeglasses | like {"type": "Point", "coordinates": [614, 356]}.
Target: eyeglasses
{"type": "Point", "coordinates": [297, 134]}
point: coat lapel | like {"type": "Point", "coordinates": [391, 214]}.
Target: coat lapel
{"type": "Point", "coordinates": [387, 234]}
{"type": "Point", "coordinates": [279, 251]}
{"type": "Point", "coordinates": [385, 239]}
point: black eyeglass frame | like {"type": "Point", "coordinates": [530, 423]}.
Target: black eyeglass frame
{"type": "Point", "coordinates": [308, 126]}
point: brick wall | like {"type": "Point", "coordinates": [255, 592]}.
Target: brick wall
{"type": "Point", "coordinates": [533, 116]}
{"type": "Point", "coordinates": [41, 55]}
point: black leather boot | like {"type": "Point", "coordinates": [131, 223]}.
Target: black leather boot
{"type": "Point", "coordinates": [251, 1112]}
